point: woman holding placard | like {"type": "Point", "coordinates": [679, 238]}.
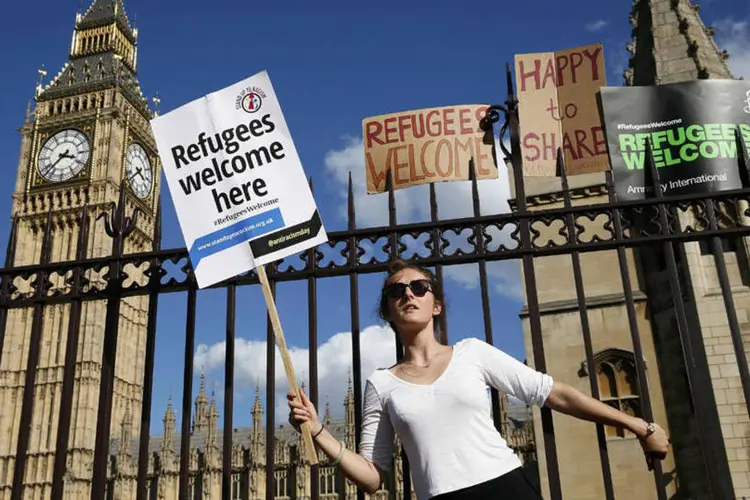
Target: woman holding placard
{"type": "Point", "coordinates": [435, 399]}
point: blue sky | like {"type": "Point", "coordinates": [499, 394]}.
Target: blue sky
{"type": "Point", "coordinates": [332, 64]}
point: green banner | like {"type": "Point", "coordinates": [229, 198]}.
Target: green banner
{"type": "Point", "coordinates": [691, 128]}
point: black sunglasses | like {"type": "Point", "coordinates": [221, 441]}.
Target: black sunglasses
{"type": "Point", "coordinates": [418, 287]}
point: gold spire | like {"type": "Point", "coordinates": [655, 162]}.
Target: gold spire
{"type": "Point", "coordinates": [40, 83]}
{"type": "Point", "coordinates": [156, 100]}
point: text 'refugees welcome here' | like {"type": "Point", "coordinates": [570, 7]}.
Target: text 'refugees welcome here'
{"type": "Point", "coordinates": [218, 169]}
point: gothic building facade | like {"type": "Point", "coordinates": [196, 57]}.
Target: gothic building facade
{"type": "Point", "coordinates": [670, 43]}
{"type": "Point", "coordinates": [291, 469]}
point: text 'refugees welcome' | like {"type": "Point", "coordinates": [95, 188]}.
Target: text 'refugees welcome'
{"type": "Point", "coordinates": [216, 170]}
{"type": "Point", "coordinates": [681, 144]}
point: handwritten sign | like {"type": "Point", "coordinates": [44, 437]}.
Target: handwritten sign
{"type": "Point", "coordinates": [558, 109]}
{"type": "Point", "coordinates": [427, 145]}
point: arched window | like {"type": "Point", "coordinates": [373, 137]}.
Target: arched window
{"type": "Point", "coordinates": [328, 481]}
{"type": "Point", "coordinates": [282, 484]}
{"type": "Point", "coordinates": [617, 381]}
{"type": "Point", "coordinates": [236, 486]}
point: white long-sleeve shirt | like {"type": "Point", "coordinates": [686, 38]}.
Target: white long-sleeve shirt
{"type": "Point", "coordinates": [446, 427]}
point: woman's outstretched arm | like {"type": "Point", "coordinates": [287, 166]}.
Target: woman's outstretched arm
{"type": "Point", "coordinates": [509, 375]}
{"type": "Point", "coordinates": [354, 466]}
{"type": "Point", "coordinates": [570, 401]}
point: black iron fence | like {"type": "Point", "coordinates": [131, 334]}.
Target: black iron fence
{"type": "Point", "coordinates": [651, 223]}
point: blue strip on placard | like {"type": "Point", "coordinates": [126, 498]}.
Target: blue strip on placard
{"type": "Point", "coordinates": [235, 234]}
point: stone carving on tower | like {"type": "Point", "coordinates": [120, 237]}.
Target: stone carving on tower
{"type": "Point", "coordinates": [671, 44]}
{"type": "Point", "coordinates": [87, 137]}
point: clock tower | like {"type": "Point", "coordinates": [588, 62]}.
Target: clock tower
{"type": "Point", "coordinates": [87, 137]}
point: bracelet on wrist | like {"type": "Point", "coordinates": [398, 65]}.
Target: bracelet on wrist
{"type": "Point", "coordinates": [650, 429]}
{"type": "Point", "coordinates": [644, 429]}
{"type": "Point", "coordinates": [318, 433]}
{"type": "Point", "coordinates": [341, 454]}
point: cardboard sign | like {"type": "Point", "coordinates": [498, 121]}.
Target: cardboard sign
{"type": "Point", "coordinates": [238, 186]}
{"type": "Point", "coordinates": [557, 107]}
{"type": "Point", "coordinates": [427, 145]}
{"type": "Point", "coordinates": [691, 127]}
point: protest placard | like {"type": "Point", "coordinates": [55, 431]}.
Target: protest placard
{"type": "Point", "coordinates": [239, 189]}
{"type": "Point", "coordinates": [427, 145]}
{"type": "Point", "coordinates": [691, 127]}
{"type": "Point", "coordinates": [557, 108]}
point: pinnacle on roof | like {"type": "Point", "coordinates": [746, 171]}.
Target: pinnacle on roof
{"type": "Point", "coordinates": [169, 413]}
{"type": "Point", "coordinates": [103, 54]}
{"type": "Point", "coordinates": [103, 12]}
{"type": "Point", "coordinates": [670, 43]}
{"type": "Point", "coordinates": [257, 405]}
{"type": "Point", "coordinates": [202, 397]}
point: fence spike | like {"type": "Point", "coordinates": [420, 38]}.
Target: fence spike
{"type": "Point", "coordinates": [651, 175]}
{"type": "Point", "coordinates": [83, 233]}
{"type": "Point", "coordinates": [561, 172]}
{"type": "Point", "coordinates": [47, 239]}
{"type": "Point", "coordinates": [392, 214]}
{"type": "Point", "coordinates": [509, 81]}
{"type": "Point", "coordinates": [350, 208]}
{"type": "Point", "coordinates": [742, 159]}
{"type": "Point", "coordinates": [119, 214]}
{"type": "Point", "coordinates": [433, 203]}
{"type": "Point", "coordinates": [10, 250]}
{"type": "Point", "coordinates": [157, 226]}
{"type": "Point", "coordinates": [474, 187]}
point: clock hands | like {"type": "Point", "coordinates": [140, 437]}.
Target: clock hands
{"type": "Point", "coordinates": [64, 154]}
{"type": "Point", "coordinates": [141, 187]}
{"type": "Point", "coordinates": [139, 171]}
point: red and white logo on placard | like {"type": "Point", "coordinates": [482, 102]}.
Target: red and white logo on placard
{"type": "Point", "coordinates": [250, 100]}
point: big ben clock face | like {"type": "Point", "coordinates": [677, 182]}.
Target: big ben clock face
{"type": "Point", "coordinates": [63, 155]}
{"type": "Point", "coordinates": [138, 170]}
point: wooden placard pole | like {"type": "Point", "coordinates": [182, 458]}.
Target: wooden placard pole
{"type": "Point", "coordinates": [310, 450]}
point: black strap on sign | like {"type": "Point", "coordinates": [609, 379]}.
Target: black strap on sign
{"type": "Point", "coordinates": [287, 237]}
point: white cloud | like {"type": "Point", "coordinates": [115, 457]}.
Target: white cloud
{"type": "Point", "coordinates": [734, 36]}
{"type": "Point", "coordinates": [454, 198]}
{"type": "Point", "coordinates": [597, 25]}
{"type": "Point", "coordinates": [504, 277]}
{"type": "Point", "coordinates": [371, 210]}
{"type": "Point", "coordinates": [377, 346]}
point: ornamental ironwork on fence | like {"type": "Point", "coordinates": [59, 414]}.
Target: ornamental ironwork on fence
{"type": "Point", "coordinates": [652, 223]}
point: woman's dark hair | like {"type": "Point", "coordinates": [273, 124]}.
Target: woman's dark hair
{"type": "Point", "coordinates": [399, 265]}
